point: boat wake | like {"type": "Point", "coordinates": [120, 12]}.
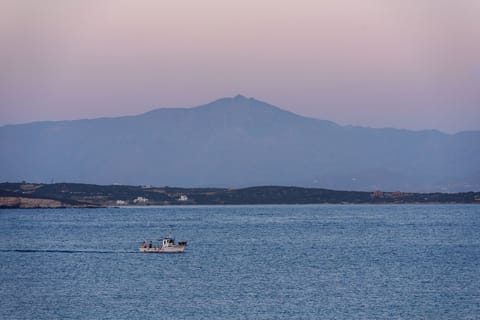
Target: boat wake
{"type": "Point", "coordinates": [63, 251]}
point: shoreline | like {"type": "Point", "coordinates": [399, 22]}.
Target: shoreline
{"type": "Point", "coordinates": [74, 195]}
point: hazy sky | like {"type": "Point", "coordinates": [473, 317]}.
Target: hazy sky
{"type": "Point", "coordinates": [402, 63]}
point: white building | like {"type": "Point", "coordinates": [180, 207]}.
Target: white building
{"type": "Point", "coordinates": [140, 200]}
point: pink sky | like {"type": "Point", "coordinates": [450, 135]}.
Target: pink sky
{"type": "Point", "coordinates": [411, 64]}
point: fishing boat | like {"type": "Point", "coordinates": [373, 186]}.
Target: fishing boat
{"type": "Point", "coordinates": [167, 245]}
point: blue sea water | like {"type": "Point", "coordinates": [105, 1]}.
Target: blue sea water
{"type": "Point", "coordinates": [243, 262]}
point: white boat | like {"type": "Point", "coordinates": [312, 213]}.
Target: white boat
{"type": "Point", "coordinates": [168, 245]}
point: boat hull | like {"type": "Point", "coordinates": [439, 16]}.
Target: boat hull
{"type": "Point", "coordinates": [172, 249]}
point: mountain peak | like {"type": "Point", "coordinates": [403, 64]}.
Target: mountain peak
{"type": "Point", "coordinates": [238, 101]}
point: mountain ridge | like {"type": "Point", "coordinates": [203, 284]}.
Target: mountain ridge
{"type": "Point", "coordinates": [238, 142]}
{"type": "Point", "coordinates": [239, 96]}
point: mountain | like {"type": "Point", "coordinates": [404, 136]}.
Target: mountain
{"type": "Point", "coordinates": [237, 142]}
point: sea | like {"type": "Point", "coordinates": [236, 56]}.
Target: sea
{"type": "Point", "coordinates": [242, 262]}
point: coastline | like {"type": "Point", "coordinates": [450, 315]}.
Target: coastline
{"type": "Point", "coordinates": [74, 195]}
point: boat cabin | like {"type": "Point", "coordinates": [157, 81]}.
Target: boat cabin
{"type": "Point", "coordinates": [168, 242]}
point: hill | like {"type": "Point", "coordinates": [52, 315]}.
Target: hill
{"type": "Point", "coordinates": [238, 142]}
{"type": "Point", "coordinates": [30, 195]}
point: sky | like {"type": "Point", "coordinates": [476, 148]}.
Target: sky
{"type": "Point", "coordinates": [412, 64]}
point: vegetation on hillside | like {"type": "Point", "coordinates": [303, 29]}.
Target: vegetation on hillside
{"type": "Point", "coordinates": [90, 195]}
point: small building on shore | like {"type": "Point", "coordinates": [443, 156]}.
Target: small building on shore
{"type": "Point", "coordinates": [140, 200]}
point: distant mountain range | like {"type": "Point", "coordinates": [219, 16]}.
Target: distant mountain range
{"type": "Point", "coordinates": [238, 142]}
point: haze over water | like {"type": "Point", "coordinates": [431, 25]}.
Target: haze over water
{"type": "Point", "coordinates": [242, 262]}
